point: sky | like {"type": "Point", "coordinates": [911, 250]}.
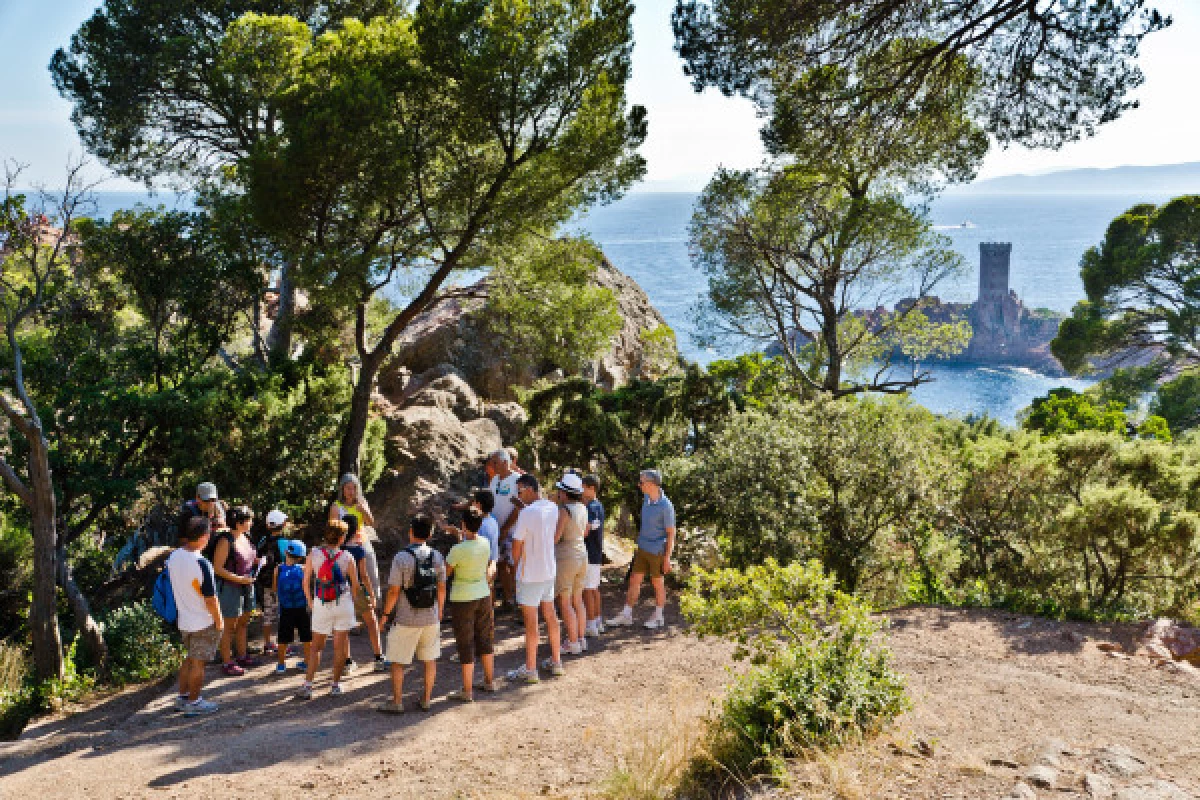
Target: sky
{"type": "Point", "coordinates": [690, 134]}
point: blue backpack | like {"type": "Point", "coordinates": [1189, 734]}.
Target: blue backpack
{"type": "Point", "coordinates": [163, 597]}
{"type": "Point", "coordinates": [291, 586]}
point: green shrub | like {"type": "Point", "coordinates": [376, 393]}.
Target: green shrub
{"type": "Point", "coordinates": [820, 679]}
{"type": "Point", "coordinates": [139, 649]}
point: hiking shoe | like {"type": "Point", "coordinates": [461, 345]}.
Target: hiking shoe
{"type": "Point", "coordinates": [301, 665]}
{"type": "Point", "coordinates": [305, 692]}
{"type": "Point", "coordinates": [335, 690]}
{"type": "Point", "coordinates": [621, 620]}
{"type": "Point", "coordinates": [199, 706]}
{"type": "Point", "coordinates": [233, 670]}
{"type": "Point", "coordinates": [556, 669]}
{"type": "Point", "coordinates": [281, 669]}
{"type": "Point", "coordinates": [460, 696]}
{"type": "Point", "coordinates": [390, 707]}
{"type": "Point", "coordinates": [381, 664]}
{"type": "Point", "coordinates": [523, 675]}
{"type": "Point", "coordinates": [654, 623]}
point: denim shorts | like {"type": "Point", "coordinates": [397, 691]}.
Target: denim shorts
{"type": "Point", "coordinates": [235, 599]}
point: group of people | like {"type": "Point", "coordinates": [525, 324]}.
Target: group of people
{"type": "Point", "coordinates": [533, 548]}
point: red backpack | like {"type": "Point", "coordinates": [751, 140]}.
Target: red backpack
{"type": "Point", "coordinates": [331, 581]}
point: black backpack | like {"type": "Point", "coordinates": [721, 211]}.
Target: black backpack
{"type": "Point", "coordinates": [423, 591]}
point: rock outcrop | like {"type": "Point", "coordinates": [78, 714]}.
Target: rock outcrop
{"type": "Point", "coordinates": [456, 333]}
{"type": "Point", "coordinates": [446, 398]}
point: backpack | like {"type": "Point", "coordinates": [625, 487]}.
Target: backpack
{"type": "Point", "coordinates": [210, 550]}
{"type": "Point", "coordinates": [290, 586]}
{"type": "Point", "coordinates": [163, 598]}
{"type": "Point", "coordinates": [422, 592]}
{"type": "Point", "coordinates": [330, 581]}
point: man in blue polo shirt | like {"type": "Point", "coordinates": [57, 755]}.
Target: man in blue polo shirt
{"type": "Point", "coordinates": [656, 540]}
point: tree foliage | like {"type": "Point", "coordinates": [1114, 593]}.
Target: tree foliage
{"type": "Point", "coordinates": [1047, 73]}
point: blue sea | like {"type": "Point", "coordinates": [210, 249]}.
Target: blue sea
{"type": "Point", "coordinates": [645, 235]}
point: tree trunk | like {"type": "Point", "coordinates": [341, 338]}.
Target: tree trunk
{"type": "Point", "coordinates": [43, 612]}
{"type": "Point", "coordinates": [360, 409]}
{"type": "Point", "coordinates": [89, 630]}
{"type": "Point", "coordinates": [279, 338]}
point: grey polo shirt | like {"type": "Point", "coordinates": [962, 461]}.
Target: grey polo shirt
{"type": "Point", "coordinates": [656, 518]}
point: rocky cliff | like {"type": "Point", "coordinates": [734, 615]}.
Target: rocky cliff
{"type": "Point", "coordinates": [446, 397]}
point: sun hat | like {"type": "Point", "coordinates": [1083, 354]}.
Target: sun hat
{"type": "Point", "coordinates": [206, 491]}
{"type": "Point", "coordinates": [570, 483]}
{"type": "Point", "coordinates": [297, 549]}
{"type": "Point", "coordinates": [276, 519]}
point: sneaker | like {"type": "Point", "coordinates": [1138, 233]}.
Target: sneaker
{"type": "Point", "coordinates": [381, 664]}
{"type": "Point", "coordinates": [199, 706]}
{"type": "Point", "coordinates": [271, 649]}
{"type": "Point", "coordinates": [621, 620]}
{"type": "Point", "coordinates": [556, 669]}
{"type": "Point", "coordinates": [181, 702]}
{"type": "Point", "coordinates": [582, 644]}
{"type": "Point", "coordinates": [487, 687]}
{"type": "Point", "coordinates": [248, 661]}
{"type": "Point", "coordinates": [524, 675]}
{"type": "Point", "coordinates": [423, 704]}
{"type": "Point", "coordinates": [292, 651]}
{"type": "Point", "coordinates": [335, 690]}
{"type": "Point", "coordinates": [301, 665]}
{"type": "Point", "coordinates": [233, 670]}
{"type": "Point", "coordinates": [350, 666]}
{"type": "Point", "coordinates": [572, 649]}
{"type": "Point", "coordinates": [390, 707]}
{"type": "Point", "coordinates": [305, 692]}
{"type": "Point", "coordinates": [460, 696]}
{"type": "Point", "coordinates": [281, 669]}
{"type": "Point", "coordinates": [654, 623]}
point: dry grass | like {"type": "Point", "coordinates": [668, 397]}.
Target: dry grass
{"type": "Point", "coordinates": [12, 667]}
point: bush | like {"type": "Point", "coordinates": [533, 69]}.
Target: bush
{"type": "Point", "coordinates": [138, 647]}
{"type": "Point", "coordinates": [820, 676]}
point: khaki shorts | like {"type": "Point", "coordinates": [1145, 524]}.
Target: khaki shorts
{"type": "Point", "coordinates": [404, 642]}
{"type": "Point", "coordinates": [648, 563]}
{"type": "Point", "coordinates": [569, 577]}
{"type": "Point", "coordinates": [202, 645]}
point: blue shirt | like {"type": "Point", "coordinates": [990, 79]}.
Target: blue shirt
{"type": "Point", "coordinates": [490, 530]}
{"type": "Point", "coordinates": [594, 540]}
{"type": "Point", "coordinates": [656, 518]}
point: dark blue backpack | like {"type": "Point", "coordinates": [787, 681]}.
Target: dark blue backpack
{"type": "Point", "coordinates": [291, 586]}
{"type": "Point", "coordinates": [163, 597]}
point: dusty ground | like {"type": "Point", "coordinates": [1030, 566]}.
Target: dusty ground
{"type": "Point", "coordinates": [994, 695]}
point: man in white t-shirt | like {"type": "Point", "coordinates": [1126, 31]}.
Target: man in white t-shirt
{"type": "Point", "coordinates": [504, 489]}
{"type": "Point", "coordinates": [199, 615]}
{"type": "Point", "coordinates": [533, 553]}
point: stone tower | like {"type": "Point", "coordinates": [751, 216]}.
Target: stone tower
{"type": "Point", "coordinates": [993, 271]}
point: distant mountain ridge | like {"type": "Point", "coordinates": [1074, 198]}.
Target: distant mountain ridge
{"type": "Point", "coordinates": [1160, 179]}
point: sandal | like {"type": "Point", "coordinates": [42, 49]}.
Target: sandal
{"type": "Point", "coordinates": [390, 707]}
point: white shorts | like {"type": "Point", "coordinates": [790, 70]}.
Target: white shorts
{"type": "Point", "coordinates": [404, 642]}
{"type": "Point", "coordinates": [592, 579]}
{"type": "Point", "coordinates": [535, 593]}
{"type": "Point", "coordinates": [336, 617]}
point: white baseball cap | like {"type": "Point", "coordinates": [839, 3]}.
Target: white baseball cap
{"type": "Point", "coordinates": [571, 483]}
{"type": "Point", "coordinates": [276, 519]}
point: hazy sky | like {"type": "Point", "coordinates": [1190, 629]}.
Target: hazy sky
{"type": "Point", "coordinates": [690, 134]}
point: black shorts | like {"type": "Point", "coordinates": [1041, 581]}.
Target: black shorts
{"type": "Point", "coordinates": [292, 620]}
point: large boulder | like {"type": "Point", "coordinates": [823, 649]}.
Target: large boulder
{"type": "Point", "coordinates": [456, 333]}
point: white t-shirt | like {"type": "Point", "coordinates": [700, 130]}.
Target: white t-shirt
{"type": "Point", "coordinates": [505, 492]}
{"type": "Point", "coordinates": [535, 527]}
{"type": "Point", "coordinates": [192, 580]}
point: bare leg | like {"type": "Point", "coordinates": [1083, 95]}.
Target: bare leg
{"type": "Point", "coordinates": [226, 646]}
{"type": "Point", "coordinates": [591, 603]}
{"type": "Point", "coordinates": [635, 588]}
{"type": "Point", "coordinates": [430, 677]}
{"type": "Point", "coordinates": [568, 615]}
{"type": "Point", "coordinates": [530, 614]}
{"type": "Point", "coordinates": [314, 655]}
{"type": "Point", "coordinates": [243, 628]}
{"type": "Point", "coordinates": [581, 616]}
{"type": "Point", "coordinates": [397, 683]}
{"type": "Point", "coordinates": [341, 648]}
{"type": "Point", "coordinates": [489, 663]}
{"type": "Point", "coordinates": [660, 590]}
{"type": "Point", "coordinates": [468, 675]}
{"type": "Point", "coordinates": [552, 632]}
{"type": "Point", "coordinates": [372, 624]}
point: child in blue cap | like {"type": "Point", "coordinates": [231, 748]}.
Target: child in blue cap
{"type": "Point", "coordinates": [293, 604]}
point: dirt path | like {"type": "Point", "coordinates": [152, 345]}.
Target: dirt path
{"type": "Point", "coordinates": [994, 694]}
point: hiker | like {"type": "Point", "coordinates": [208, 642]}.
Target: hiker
{"type": "Point", "coordinates": [270, 549]}
{"type": "Point", "coordinates": [570, 560]}
{"type": "Point", "coordinates": [484, 502]}
{"type": "Point", "coordinates": [351, 502]}
{"type": "Point", "coordinates": [205, 504]}
{"type": "Point", "coordinates": [512, 459]}
{"type": "Point", "coordinates": [364, 597]}
{"type": "Point", "coordinates": [594, 542]}
{"type": "Point", "coordinates": [504, 492]}
{"type": "Point", "coordinates": [234, 561]}
{"type": "Point", "coordinates": [656, 540]}
{"type": "Point", "coordinates": [533, 552]}
{"type": "Point", "coordinates": [198, 613]}
{"type": "Point", "coordinates": [471, 565]}
{"type": "Point", "coordinates": [330, 583]}
{"type": "Point", "coordinates": [415, 603]}
{"type": "Point", "coordinates": [294, 607]}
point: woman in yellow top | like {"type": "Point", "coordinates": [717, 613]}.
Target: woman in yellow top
{"type": "Point", "coordinates": [351, 502]}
